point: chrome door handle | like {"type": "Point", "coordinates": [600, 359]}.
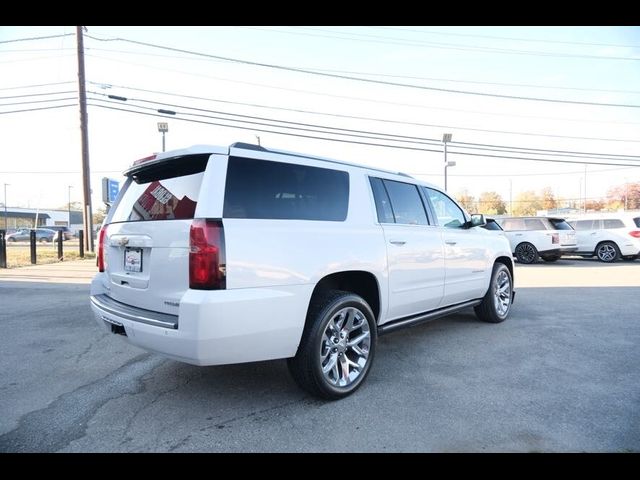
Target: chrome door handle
{"type": "Point", "coordinates": [450, 242]}
{"type": "Point", "coordinates": [397, 242]}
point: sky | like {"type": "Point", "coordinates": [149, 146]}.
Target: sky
{"type": "Point", "coordinates": [524, 92]}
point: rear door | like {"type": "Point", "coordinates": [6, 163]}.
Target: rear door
{"type": "Point", "coordinates": [146, 244]}
{"type": "Point", "coordinates": [587, 233]}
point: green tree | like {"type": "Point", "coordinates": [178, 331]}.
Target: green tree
{"type": "Point", "coordinates": [467, 200]}
{"type": "Point", "coordinates": [527, 203]}
{"type": "Point", "coordinates": [490, 203]}
{"type": "Point", "coordinates": [549, 201]}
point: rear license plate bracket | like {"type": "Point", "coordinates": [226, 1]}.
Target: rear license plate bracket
{"type": "Point", "coordinates": [133, 259]}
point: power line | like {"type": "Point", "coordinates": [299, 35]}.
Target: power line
{"type": "Point", "coordinates": [445, 46]}
{"type": "Point", "coordinates": [366, 80]}
{"type": "Point", "coordinates": [400, 122]}
{"type": "Point", "coordinates": [359, 99]}
{"type": "Point", "coordinates": [28, 39]}
{"type": "Point", "coordinates": [413, 139]}
{"type": "Point", "coordinates": [40, 108]}
{"type": "Point", "coordinates": [432, 32]}
{"type": "Point", "coordinates": [37, 101]}
{"type": "Point", "coordinates": [36, 85]}
{"type": "Point", "coordinates": [401, 147]}
{"type": "Point", "coordinates": [38, 94]}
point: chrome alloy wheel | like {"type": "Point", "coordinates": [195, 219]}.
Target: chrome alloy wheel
{"type": "Point", "coordinates": [502, 293]}
{"type": "Point", "coordinates": [345, 346]}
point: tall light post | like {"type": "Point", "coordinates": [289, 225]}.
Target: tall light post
{"type": "Point", "coordinates": [5, 206]}
{"type": "Point", "coordinates": [446, 138]}
{"type": "Point", "coordinates": [163, 127]}
{"type": "Point", "coordinates": [69, 187]}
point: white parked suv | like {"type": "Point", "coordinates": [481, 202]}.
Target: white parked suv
{"type": "Point", "coordinates": [608, 236]}
{"type": "Point", "coordinates": [218, 255]}
{"type": "Point", "coordinates": [530, 237]}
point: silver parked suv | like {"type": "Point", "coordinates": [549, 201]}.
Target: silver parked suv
{"type": "Point", "coordinates": [217, 255]}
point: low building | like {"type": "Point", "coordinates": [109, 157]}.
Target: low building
{"type": "Point", "coordinates": [17, 217]}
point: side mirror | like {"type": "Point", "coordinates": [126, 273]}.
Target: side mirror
{"type": "Point", "coordinates": [477, 220]}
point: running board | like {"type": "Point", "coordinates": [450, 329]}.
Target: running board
{"type": "Point", "coordinates": [424, 317]}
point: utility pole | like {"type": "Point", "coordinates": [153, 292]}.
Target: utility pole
{"type": "Point", "coordinates": [84, 134]}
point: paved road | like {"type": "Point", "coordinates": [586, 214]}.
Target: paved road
{"type": "Point", "coordinates": [561, 374]}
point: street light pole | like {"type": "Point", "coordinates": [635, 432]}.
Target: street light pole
{"type": "Point", "coordinates": [5, 206]}
{"type": "Point", "coordinates": [446, 138]}
{"type": "Point", "coordinates": [163, 127]}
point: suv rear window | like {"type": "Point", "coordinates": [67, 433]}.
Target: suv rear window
{"type": "Point", "coordinates": [274, 190]}
{"type": "Point", "coordinates": [166, 191]}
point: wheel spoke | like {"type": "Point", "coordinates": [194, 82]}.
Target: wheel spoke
{"type": "Point", "coordinates": [351, 316]}
{"type": "Point", "coordinates": [358, 339]}
{"type": "Point", "coordinates": [330, 364]}
{"type": "Point", "coordinates": [344, 366]}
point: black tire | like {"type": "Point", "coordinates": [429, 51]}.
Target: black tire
{"type": "Point", "coordinates": [607, 252]}
{"type": "Point", "coordinates": [11, 239]}
{"type": "Point", "coordinates": [550, 258]}
{"type": "Point", "coordinates": [496, 304]}
{"type": "Point", "coordinates": [306, 366]}
{"type": "Point", "coordinates": [526, 253]}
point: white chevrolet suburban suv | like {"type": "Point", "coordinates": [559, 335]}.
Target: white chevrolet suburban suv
{"type": "Point", "coordinates": [218, 255]}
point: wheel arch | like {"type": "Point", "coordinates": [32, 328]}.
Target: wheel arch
{"type": "Point", "coordinates": [360, 282]}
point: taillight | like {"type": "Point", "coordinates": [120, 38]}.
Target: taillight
{"type": "Point", "coordinates": [635, 233]}
{"type": "Point", "coordinates": [555, 238]}
{"type": "Point", "coordinates": [101, 237]}
{"type": "Point", "coordinates": [207, 268]}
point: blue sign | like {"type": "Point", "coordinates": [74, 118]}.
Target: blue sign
{"type": "Point", "coordinates": [114, 188]}
{"type": "Point", "coordinates": [110, 189]}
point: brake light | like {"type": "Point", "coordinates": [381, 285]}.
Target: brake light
{"type": "Point", "coordinates": [635, 233]}
{"type": "Point", "coordinates": [555, 238]}
{"type": "Point", "coordinates": [207, 268]}
{"type": "Point", "coordinates": [145, 159]}
{"type": "Point", "coordinates": [101, 238]}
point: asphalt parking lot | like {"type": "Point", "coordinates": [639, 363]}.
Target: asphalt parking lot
{"type": "Point", "coordinates": [560, 375]}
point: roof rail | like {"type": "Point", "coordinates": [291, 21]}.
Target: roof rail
{"type": "Point", "coordinates": [248, 146]}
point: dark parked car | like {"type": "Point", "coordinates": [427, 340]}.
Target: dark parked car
{"type": "Point", "coordinates": [22, 235]}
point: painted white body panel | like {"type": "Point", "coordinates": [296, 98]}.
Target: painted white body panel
{"type": "Point", "coordinates": [588, 240]}
{"type": "Point", "coordinates": [273, 266]}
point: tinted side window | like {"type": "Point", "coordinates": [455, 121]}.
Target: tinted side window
{"type": "Point", "coordinates": [383, 204]}
{"type": "Point", "coordinates": [560, 224]}
{"type": "Point", "coordinates": [448, 213]}
{"type": "Point", "coordinates": [406, 202]}
{"type": "Point", "coordinates": [581, 225]}
{"type": "Point", "coordinates": [637, 221]}
{"type": "Point", "coordinates": [534, 224]}
{"type": "Point", "coordinates": [613, 223]}
{"type": "Point", "coordinates": [512, 224]}
{"type": "Point", "coordinates": [275, 190]}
